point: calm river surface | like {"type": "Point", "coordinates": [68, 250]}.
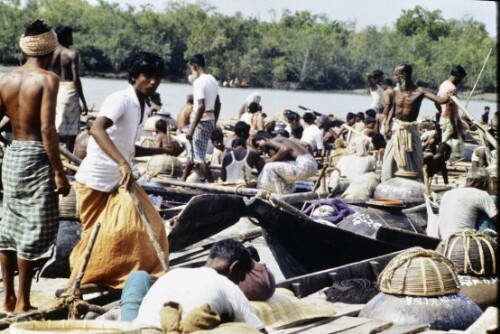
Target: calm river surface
{"type": "Point", "coordinates": [174, 96]}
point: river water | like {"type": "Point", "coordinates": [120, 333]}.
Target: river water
{"type": "Point", "coordinates": [273, 100]}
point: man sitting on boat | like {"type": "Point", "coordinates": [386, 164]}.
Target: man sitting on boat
{"type": "Point", "coordinates": [470, 207]}
{"type": "Point", "coordinates": [208, 293]}
{"type": "Point", "coordinates": [237, 164]}
{"type": "Point", "coordinates": [105, 188]}
{"type": "Point", "coordinates": [289, 162]}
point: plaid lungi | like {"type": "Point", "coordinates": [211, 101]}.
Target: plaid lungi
{"type": "Point", "coordinates": [279, 177]}
{"type": "Point", "coordinates": [68, 110]}
{"type": "Point", "coordinates": [30, 205]}
{"type": "Point", "coordinates": [201, 137]}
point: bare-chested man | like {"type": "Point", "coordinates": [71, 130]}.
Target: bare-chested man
{"type": "Point", "coordinates": [404, 150]}
{"type": "Point", "coordinates": [29, 225]}
{"type": "Point", "coordinates": [184, 114]}
{"type": "Point", "coordinates": [289, 162]}
{"type": "Point", "coordinates": [65, 64]}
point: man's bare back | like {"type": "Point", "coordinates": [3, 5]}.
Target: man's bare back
{"type": "Point", "coordinates": [27, 96]}
{"type": "Point", "coordinates": [63, 61]}
{"type": "Point", "coordinates": [282, 148]}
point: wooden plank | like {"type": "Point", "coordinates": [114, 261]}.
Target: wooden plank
{"type": "Point", "coordinates": [341, 309]}
{"type": "Point", "coordinates": [371, 327]}
{"type": "Point", "coordinates": [337, 326]}
{"type": "Point", "coordinates": [408, 329]}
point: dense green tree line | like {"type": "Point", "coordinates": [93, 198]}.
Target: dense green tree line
{"type": "Point", "coordinates": [296, 50]}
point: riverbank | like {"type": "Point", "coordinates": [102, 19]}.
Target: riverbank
{"type": "Point", "coordinates": [478, 96]}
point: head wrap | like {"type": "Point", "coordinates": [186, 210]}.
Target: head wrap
{"type": "Point", "coordinates": [39, 45]}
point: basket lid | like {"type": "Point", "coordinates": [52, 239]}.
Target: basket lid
{"type": "Point", "coordinates": [472, 252]}
{"type": "Point", "coordinates": [419, 272]}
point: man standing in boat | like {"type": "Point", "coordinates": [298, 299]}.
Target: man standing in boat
{"type": "Point", "coordinates": [404, 150]}
{"type": "Point", "coordinates": [449, 118]}
{"type": "Point", "coordinates": [203, 118]}
{"type": "Point", "coordinates": [106, 191]}
{"type": "Point", "coordinates": [65, 64]}
{"type": "Point", "coordinates": [375, 80]}
{"type": "Point", "coordinates": [289, 162]}
{"type": "Point", "coordinates": [32, 174]}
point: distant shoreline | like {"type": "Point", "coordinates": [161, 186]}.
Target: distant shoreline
{"type": "Point", "coordinates": [487, 97]}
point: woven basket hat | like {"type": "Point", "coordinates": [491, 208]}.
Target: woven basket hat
{"type": "Point", "coordinates": [419, 272]}
{"type": "Point", "coordinates": [472, 252]}
{"type": "Point", "coordinates": [164, 164]}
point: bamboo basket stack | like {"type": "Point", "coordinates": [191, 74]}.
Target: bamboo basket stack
{"type": "Point", "coordinates": [472, 252]}
{"type": "Point", "coordinates": [419, 272]}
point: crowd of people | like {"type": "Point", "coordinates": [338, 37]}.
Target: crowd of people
{"type": "Point", "coordinates": [42, 102]}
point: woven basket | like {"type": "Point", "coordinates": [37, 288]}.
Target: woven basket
{"type": "Point", "coordinates": [164, 164]}
{"type": "Point", "coordinates": [472, 252]}
{"type": "Point", "coordinates": [67, 205]}
{"type": "Point", "coordinates": [419, 272]}
{"type": "Point", "coordinates": [74, 327]}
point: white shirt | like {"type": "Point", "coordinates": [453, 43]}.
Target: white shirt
{"type": "Point", "coordinates": [247, 118]}
{"type": "Point", "coordinates": [313, 136]}
{"type": "Point", "coordinates": [205, 87]}
{"type": "Point", "coordinates": [460, 208]}
{"type": "Point", "coordinates": [98, 170]}
{"type": "Point", "coordinates": [191, 288]}
{"type": "Point", "coordinates": [377, 98]}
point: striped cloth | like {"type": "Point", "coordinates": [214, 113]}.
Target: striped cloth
{"type": "Point", "coordinates": [201, 137]}
{"type": "Point", "coordinates": [30, 206]}
{"type": "Point", "coordinates": [279, 177]}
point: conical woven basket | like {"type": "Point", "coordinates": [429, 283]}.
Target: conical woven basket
{"type": "Point", "coordinates": [164, 164]}
{"type": "Point", "coordinates": [419, 272]}
{"type": "Point", "coordinates": [472, 252]}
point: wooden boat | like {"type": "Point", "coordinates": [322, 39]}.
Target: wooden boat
{"type": "Point", "coordinates": [301, 245]}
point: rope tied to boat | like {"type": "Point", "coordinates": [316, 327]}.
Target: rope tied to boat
{"type": "Point", "coordinates": [76, 306]}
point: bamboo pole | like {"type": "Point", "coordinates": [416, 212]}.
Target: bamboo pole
{"type": "Point", "coordinates": [211, 187]}
{"type": "Point", "coordinates": [478, 76]}
{"type": "Point", "coordinates": [81, 271]}
{"type": "Point", "coordinates": [488, 135]}
{"type": "Point", "coordinates": [149, 228]}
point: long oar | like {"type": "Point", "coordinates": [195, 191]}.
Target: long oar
{"type": "Point", "coordinates": [316, 113]}
{"type": "Point", "coordinates": [478, 76]}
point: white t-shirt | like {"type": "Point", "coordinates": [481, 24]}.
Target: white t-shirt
{"type": "Point", "coordinates": [98, 170]}
{"type": "Point", "coordinates": [205, 87]}
{"type": "Point", "coordinates": [460, 208]}
{"type": "Point", "coordinates": [352, 166]}
{"type": "Point", "coordinates": [377, 98]}
{"type": "Point", "coordinates": [313, 136]}
{"type": "Point", "coordinates": [247, 118]}
{"type": "Point", "coordinates": [191, 288]}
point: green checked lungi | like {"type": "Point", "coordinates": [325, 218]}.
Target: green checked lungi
{"type": "Point", "coordinates": [30, 218]}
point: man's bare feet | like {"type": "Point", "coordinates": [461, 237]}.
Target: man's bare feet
{"type": "Point", "coordinates": [22, 307]}
{"type": "Point", "coordinates": [9, 304]}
